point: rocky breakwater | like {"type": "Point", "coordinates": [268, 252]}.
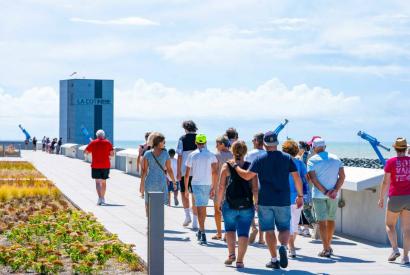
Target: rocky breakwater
{"type": "Point", "coordinates": [362, 162]}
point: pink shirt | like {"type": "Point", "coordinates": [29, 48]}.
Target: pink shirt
{"type": "Point", "coordinates": [399, 168]}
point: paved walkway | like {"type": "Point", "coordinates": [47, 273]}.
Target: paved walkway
{"type": "Point", "coordinates": [182, 254]}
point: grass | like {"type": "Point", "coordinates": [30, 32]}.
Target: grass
{"type": "Point", "coordinates": [18, 170]}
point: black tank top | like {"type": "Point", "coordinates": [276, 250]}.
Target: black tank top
{"type": "Point", "coordinates": [188, 142]}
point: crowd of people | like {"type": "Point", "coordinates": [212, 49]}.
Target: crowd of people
{"type": "Point", "coordinates": [51, 146]}
{"type": "Point", "coordinates": [276, 192]}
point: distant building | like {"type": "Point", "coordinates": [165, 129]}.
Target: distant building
{"type": "Point", "coordinates": [89, 104]}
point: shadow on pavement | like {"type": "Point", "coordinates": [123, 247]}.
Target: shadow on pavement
{"type": "Point", "coordinates": [334, 242]}
{"type": "Point", "coordinates": [112, 204]}
{"type": "Point", "coordinates": [177, 239]}
{"type": "Point", "coordinates": [334, 259]}
{"type": "Point", "coordinates": [272, 271]}
{"type": "Point", "coordinates": [167, 231]}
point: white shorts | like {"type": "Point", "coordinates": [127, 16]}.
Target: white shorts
{"type": "Point", "coordinates": [294, 218]}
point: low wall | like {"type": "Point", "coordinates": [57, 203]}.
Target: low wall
{"type": "Point", "coordinates": [362, 218]}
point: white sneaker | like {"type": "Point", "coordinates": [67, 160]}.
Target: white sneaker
{"type": "Point", "coordinates": [305, 232]}
{"type": "Point", "coordinates": [300, 231]}
{"type": "Point", "coordinates": [292, 253]}
{"type": "Point", "coordinates": [99, 202]}
{"type": "Point", "coordinates": [187, 221]}
{"type": "Point", "coordinates": [102, 201]}
{"type": "Point", "coordinates": [405, 260]}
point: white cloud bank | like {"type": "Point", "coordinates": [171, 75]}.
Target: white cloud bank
{"type": "Point", "coordinates": [272, 99]}
{"type": "Point", "coordinates": [130, 21]}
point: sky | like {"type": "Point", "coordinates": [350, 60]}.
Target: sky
{"type": "Point", "coordinates": [331, 67]}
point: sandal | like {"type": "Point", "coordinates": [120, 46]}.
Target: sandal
{"type": "Point", "coordinates": [230, 259]}
{"type": "Point", "coordinates": [261, 242]}
{"type": "Point", "coordinates": [325, 254]}
{"type": "Point", "coordinates": [240, 265]}
{"type": "Point", "coordinates": [217, 237]}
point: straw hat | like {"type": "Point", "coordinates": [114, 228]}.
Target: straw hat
{"type": "Point", "coordinates": [400, 143]}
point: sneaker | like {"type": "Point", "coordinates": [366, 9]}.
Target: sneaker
{"type": "Point", "coordinates": [102, 201]}
{"type": "Point", "coordinates": [198, 235]}
{"type": "Point", "coordinates": [252, 236]}
{"type": "Point", "coordinates": [187, 221]}
{"type": "Point", "coordinates": [274, 265]}
{"type": "Point", "coordinates": [283, 260]}
{"type": "Point", "coordinates": [394, 255]}
{"type": "Point", "coordinates": [176, 202]}
{"type": "Point", "coordinates": [405, 260]}
{"type": "Point", "coordinates": [203, 239]}
{"type": "Point", "coordinates": [292, 253]}
{"type": "Point", "coordinates": [99, 202]}
{"type": "Point", "coordinates": [306, 232]}
{"type": "Point", "coordinates": [300, 231]}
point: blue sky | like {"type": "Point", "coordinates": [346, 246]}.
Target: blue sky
{"type": "Point", "coordinates": [331, 67]}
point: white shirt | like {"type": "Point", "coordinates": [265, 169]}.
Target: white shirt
{"type": "Point", "coordinates": [174, 164]}
{"type": "Point", "coordinates": [253, 154]}
{"type": "Point", "coordinates": [200, 162]}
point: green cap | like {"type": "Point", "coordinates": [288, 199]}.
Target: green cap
{"type": "Point", "coordinates": [200, 139]}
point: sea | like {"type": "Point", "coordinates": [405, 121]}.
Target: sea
{"type": "Point", "coordinates": [360, 149]}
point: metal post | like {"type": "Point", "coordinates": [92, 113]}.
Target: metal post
{"type": "Point", "coordinates": [155, 233]}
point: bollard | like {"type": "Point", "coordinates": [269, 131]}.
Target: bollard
{"type": "Point", "coordinates": [155, 233]}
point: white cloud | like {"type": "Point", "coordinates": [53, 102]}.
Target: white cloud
{"type": "Point", "coordinates": [289, 23]}
{"type": "Point", "coordinates": [131, 21]}
{"type": "Point", "coordinates": [272, 99]}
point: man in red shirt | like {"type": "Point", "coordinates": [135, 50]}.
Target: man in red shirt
{"type": "Point", "coordinates": [101, 150]}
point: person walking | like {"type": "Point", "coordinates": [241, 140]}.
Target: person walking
{"type": "Point", "coordinates": [186, 145]}
{"type": "Point", "coordinates": [257, 151]}
{"type": "Point", "coordinates": [34, 144]}
{"type": "Point", "coordinates": [396, 183]}
{"type": "Point", "coordinates": [223, 155]}
{"type": "Point", "coordinates": [239, 199]}
{"type": "Point", "coordinates": [292, 148]}
{"type": "Point", "coordinates": [101, 150]}
{"type": "Point", "coordinates": [59, 143]}
{"type": "Point", "coordinates": [171, 187]}
{"type": "Point", "coordinates": [141, 151]}
{"type": "Point", "coordinates": [272, 169]}
{"type": "Point", "coordinates": [327, 175]}
{"type": "Point", "coordinates": [43, 143]}
{"type": "Point", "coordinates": [202, 165]}
{"type": "Point", "coordinates": [156, 166]}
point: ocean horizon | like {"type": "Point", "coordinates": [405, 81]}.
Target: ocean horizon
{"type": "Point", "coordinates": [360, 149]}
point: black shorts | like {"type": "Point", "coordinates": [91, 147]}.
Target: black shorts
{"type": "Point", "coordinates": [182, 185]}
{"type": "Point", "coordinates": [101, 174]}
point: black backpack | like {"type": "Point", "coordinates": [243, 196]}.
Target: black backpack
{"type": "Point", "coordinates": [239, 191]}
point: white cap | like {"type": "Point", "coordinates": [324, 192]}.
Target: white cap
{"type": "Point", "coordinates": [318, 142]}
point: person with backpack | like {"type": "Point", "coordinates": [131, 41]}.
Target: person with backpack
{"type": "Point", "coordinates": [272, 169]}
{"type": "Point", "coordinates": [238, 199]}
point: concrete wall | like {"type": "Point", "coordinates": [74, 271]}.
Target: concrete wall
{"type": "Point", "coordinates": [362, 218]}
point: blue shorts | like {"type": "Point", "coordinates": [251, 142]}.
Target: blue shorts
{"type": "Point", "coordinates": [171, 186]}
{"type": "Point", "coordinates": [237, 220]}
{"type": "Point", "coordinates": [201, 194]}
{"type": "Point", "coordinates": [271, 216]}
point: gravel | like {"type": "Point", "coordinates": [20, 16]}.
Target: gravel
{"type": "Point", "coordinates": [362, 162]}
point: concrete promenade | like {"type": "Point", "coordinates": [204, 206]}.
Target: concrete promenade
{"type": "Point", "coordinates": [125, 216]}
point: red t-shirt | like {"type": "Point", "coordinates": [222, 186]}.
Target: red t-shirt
{"type": "Point", "coordinates": [100, 150]}
{"type": "Point", "coordinates": [399, 168]}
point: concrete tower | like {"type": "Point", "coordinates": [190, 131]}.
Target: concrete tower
{"type": "Point", "coordinates": [89, 104]}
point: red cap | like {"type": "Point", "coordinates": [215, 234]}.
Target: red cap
{"type": "Point", "coordinates": [313, 139]}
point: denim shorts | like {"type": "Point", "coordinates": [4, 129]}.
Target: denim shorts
{"type": "Point", "coordinates": [171, 186]}
{"type": "Point", "coordinates": [237, 220]}
{"type": "Point", "coordinates": [201, 194]}
{"type": "Point", "coordinates": [271, 216]}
